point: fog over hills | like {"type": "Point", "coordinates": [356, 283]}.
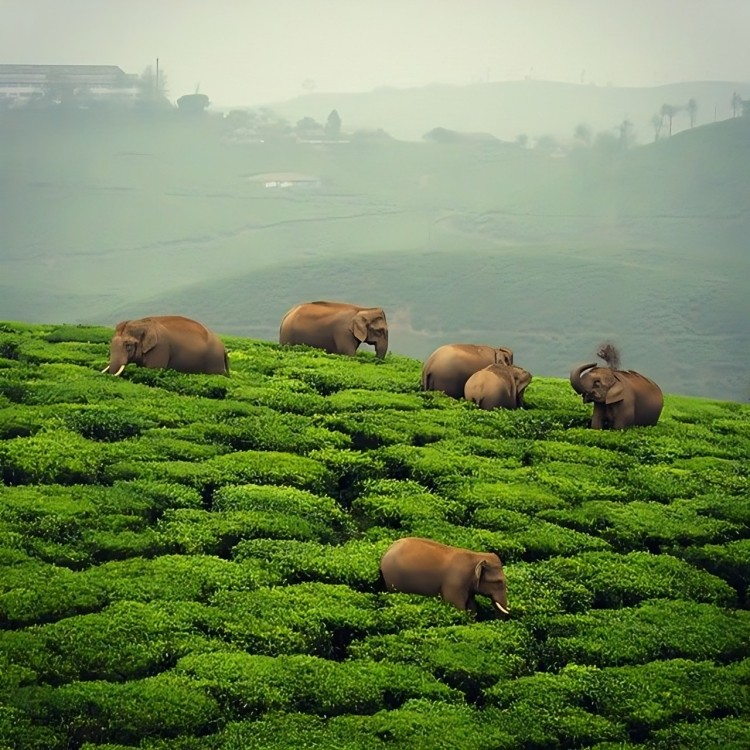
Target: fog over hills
{"type": "Point", "coordinates": [506, 109]}
{"type": "Point", "coordinates": [551, 256]}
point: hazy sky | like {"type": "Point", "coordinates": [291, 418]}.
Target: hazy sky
{"type": "Point", "coordinates": [260, 51]}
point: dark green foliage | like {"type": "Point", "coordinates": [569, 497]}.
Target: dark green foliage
{"type": "Point", "coordinates": [652, 526]}
{"type": "Point", "coordinates": [192, 562]}
{"type": "Point", "coordinates": [245, 684]}
{"type": "Point", "coordinates": [643, 698]}
{"type": "Point", "coordinates": [467, 657]}
{"type": "Point", "coordinates": [355, 563]}
{"type": "Point", "coordinates": [658, 629]}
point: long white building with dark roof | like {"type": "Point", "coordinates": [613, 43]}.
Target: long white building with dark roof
{"type": "Point", "coordinates": [91, 82]}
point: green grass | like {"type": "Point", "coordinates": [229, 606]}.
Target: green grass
{"type": "Point", "coordinates": [192, 561]}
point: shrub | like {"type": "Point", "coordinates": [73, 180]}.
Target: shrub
{"type": "Point", "coordinates": [246, 684]}
{"type": "Point", "coordinates": [654, 630]}
{"type": "Point", "coordinates": [466, 657]}
{"type": "Point", "coordinates": [643, 698]}
{"type": "Point", "coordinates": [728, 561]}
{"type": "Point", "coordinates": [356, 563]}
{"type": "Point", "coordinates": [127, 640]}
{"type": "Point", "coordinates": [167, 705]}
{"type": "Point", "coordinates": [624, 580]}
{"type": "Point", "coordinates": [57, 456]}
{"type": "Point", "coordinates": [715, 734]}
{"type": "Point", "coordinates": [284, 501]}
{"type": "Point", "coordinates": [387, 502]}
{"type": "Point", "coordinates": [652, 526]}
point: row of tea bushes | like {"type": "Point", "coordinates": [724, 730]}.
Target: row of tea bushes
{"type": "Point", "coordinates": [191, 562]}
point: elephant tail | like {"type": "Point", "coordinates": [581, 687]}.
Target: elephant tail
{"type": "Point", "coordinates": [426, 380]}
{"type": "Point", "coordinates": [226, 362]}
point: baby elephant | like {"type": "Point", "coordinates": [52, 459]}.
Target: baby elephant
{"type": "Point", "coordinates": [497, 386]}
{"type": "Point", "coordinates": [421, 566]}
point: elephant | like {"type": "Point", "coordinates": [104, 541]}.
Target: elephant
{"type": "Point", "coordinates": [421, 566]}
{"type": "Point", "coordinates": [337, 327]}
{"type": "Point", "coordinates": [449, 367]}
{"type": "Point", "coordinates": [622, 398]}
{"type": "Point", "coordinates": [497, 386]}
{"type": "Point", "coordinates": [167, 341]}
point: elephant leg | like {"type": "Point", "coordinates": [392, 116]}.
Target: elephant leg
{"type": "Point", "coordinates": [597, 419]}
{"type": "Point", "coordinates": [345, 343]}
{"type": "Point", "coordinates": [458, 597]}
{"type": "Point", "coordinates": [623, 417]}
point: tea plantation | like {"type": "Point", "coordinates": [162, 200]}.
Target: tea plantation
{"type": "Point", "coordinates": [191, 562]}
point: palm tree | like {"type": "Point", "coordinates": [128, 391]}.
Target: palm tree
{"type": "Point", "coordinates": [669, 111]}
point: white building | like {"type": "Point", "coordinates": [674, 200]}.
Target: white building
{"type": "Point", "coordinates": [78, 82]}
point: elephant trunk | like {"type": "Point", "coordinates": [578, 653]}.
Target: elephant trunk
{"type": "Point", "coordinates": [575, 377]}
{"type": "Point", "coordinates": [381, 347]}
{"type": "Point", "coordinates": [118, 358]}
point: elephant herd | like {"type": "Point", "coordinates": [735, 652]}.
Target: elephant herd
{"type": "Point", "coordinates": [482, 374]}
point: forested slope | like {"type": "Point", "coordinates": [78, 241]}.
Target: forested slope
{"type": "Point", "coordinates": [192, 561]}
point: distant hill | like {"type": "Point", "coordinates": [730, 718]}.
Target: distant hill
{"type": "Point", "coordinates": [508, 108]}
{"type": "Point", "coordinates": [477, 241]}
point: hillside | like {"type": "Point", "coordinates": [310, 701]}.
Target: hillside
{"type": "Point", "coordinates": [192, 561]}
{"type": "Point", "coordinates": [100, 221]}
{"type": "Point", "coordinates": [507, 108]}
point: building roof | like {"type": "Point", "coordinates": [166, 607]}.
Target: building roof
{"type": "Point", "coordinates": [63, 69]}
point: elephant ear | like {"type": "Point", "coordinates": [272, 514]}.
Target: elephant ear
{"type": "Point", "coordinates": [503, 356]}
{"type": "Point", "coordinates": [359, 327]}
{"type": "Point", "coordinates": [148, 338]}
{"type": "Point", "coordinates": [478, 570]}
{"type": "Point", "coordinates": [616, 392]}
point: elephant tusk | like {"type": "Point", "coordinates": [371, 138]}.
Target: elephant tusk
{"type": "Point", "coordinates": [106, 369]}
{"type": "Point", "coordinates": [501, 608]}
{"type": "Point", "coordinates": [122, 367]}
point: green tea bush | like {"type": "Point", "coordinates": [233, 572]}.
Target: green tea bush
{"type": "Point", "coordinates": [318, 618]}
{"type": "Point", "coordinates": [372, 429]}
{"type": "Point", "coordinates": [167, 705]}
{"type": "Point", "coordinates": [356, 563]}
{"type": "Point", "coordinates": [200, 532]}
{"type": "Point", "coordinates": [247, 684]}
{"type": "Point", "coordinates": [316, 509]}
{"type": "Point", "coordinates": [651, 525]}
{"type": "Point", "coordinates": [466, 657]}
{"type": "Point", "coordinates": [387, 502]}
{"type": "Point", "coordinates": [715, 734]}
{"type": "Point", "coordinates": [284, 395]}
{"type": "Point", "coordinates": [128, 640]}
{"type": "Point", "coordinates": [643, 698]}
{"type": "Point", "coordinates": [58, 456]}
{"type": "Point", "coordinates": [206, 386]}
{"type": "Point", "coordinates": [84, 334]}
{"type": "Point", "coordinates": [522, 495]}
{"type": "Point", "coordinates": [273, 431]}
{"type": "Point", "coordinates": [624, 580]}
{"type": "Point", "coordinates": [539, 538]}
{"type": "Point", "coordinates": [728, 561]}
{"type": "Point", "coordinates": [359, 399]}
{"type": "Point", "coordinates": [418, 723]}
{"type": "Point", "coordinates": [18, 731]}
{"type": "Point", "coordinates": [431, 466]}
{"type": "Point", "coordinates": [654, 630]}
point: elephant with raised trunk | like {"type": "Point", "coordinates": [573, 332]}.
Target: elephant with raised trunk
{"type": "Point", "coordinates": [449, 367]}
{"type": "Point", "coordinates": [497, 387]}
{"type": "Point", "coordinates": [621, 398]}
{"type": "Point", "coordinates": [167, 341]}
{"type": "Point", "coordinates": [337, 327]}
{"type": "Point", "coordinates": [421, 566]}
